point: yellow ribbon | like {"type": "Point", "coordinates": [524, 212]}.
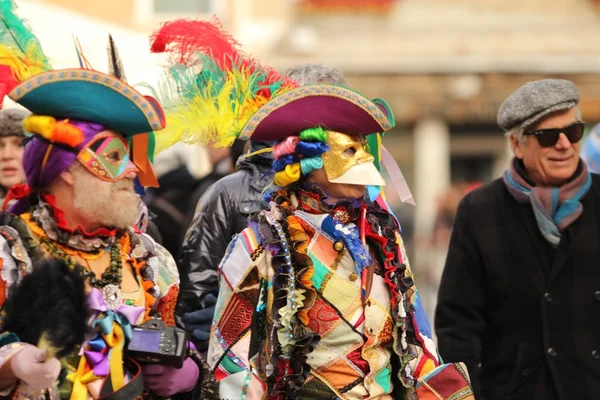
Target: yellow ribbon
{"type": "Point", "coordinates": [117, 375]}
{"type": "Point", "coordinates": [289, 175]}
{"type": "Point", "coordinates": [115, 340]}
{"type": "Point", "coordinates": [79, 391]}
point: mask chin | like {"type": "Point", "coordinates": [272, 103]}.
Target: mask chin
{"type": "Point", "coordinates": [361, 174]}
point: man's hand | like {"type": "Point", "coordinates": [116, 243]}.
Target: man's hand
{"type": "Point", "coordinates": [31, 367]}
{"type": "Point", "coordinates": [167, 381]}
{"type": "Point", "coordinates": [198, 323]}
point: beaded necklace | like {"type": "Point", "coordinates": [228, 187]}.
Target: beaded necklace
{"type": "Point", "coordinates": [110, 280]}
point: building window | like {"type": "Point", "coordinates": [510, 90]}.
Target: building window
{"type": "Point", "coordinates": [185, 6]}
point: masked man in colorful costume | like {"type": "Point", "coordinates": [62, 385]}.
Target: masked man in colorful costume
{"type": "Point", "coordinates": [223, 212]}
{"type": "Point", "coordinates": [90, 135]}
{"type": "Point", "coordinates": [316, 296]}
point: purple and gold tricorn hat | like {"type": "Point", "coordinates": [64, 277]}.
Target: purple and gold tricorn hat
{"type": "Point", "coordinates": [331, 107]}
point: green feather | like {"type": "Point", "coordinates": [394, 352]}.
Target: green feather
{"type": "Point", "coordinates": [18, 35]}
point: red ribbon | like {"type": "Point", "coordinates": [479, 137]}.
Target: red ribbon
{"type": "Point", "coordinates": [16, 192]}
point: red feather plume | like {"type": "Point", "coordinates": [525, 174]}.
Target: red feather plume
{"type": "Point", "coordinates": [181, 40]}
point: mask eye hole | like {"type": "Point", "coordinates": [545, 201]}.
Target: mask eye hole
{"type": "Point", "coordinates": [349, 152]}
{"type": "Point", "coordinates": [115, 157]}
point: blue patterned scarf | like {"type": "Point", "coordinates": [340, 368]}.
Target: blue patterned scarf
{"type": "Point", "coordinates": [554, 208]}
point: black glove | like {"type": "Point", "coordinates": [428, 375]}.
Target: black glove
{"type": "Point", "coordinates": [198, 323]}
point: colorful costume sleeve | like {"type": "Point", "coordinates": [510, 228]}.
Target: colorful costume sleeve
{"type": "Point", "coordinates": [434, 380]}
{"type": "Point", "coordinates": [14, 260]}
{"type": "Point", "coordinates": [8, 349]}
{"type": "Point", "coordinates": [242, 283]}
{"type": "Point", "coordinates": [14, 263]}
{"type": "Point", "coordinates": [162, 277]}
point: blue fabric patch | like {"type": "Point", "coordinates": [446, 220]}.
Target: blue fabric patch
{"type": "Point", "coordinates": [328, 226]}
{"type": "Point", "coordinates": [139, 189]}
{"type": "Point", "coordinates": [373, 192]}
{"type": "Point", "coordinates": [421, 317]}
{"type": "Point", "coordinates": [350, 236]}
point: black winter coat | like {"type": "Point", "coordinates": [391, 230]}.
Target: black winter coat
{"type": "Point", "coordinates": [524, 317]}
{"type": "Point", "coordinates": [222, 212]}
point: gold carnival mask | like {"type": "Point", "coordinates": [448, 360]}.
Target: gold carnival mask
{"type": "Point", "coordinates": [348, 162]}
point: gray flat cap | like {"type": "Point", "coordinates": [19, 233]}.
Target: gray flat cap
{"type": "Point", "coordinates": [11, 121]}
{"type": "Point", "coordinates": [534, 100]}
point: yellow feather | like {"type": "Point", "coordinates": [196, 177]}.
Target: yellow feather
{"type": "Point", "coordinates": [206, 117]}
{"type": "Point", "coordinates": [46, 344]}
{"type": "Point", "coordinates": [23, 67]}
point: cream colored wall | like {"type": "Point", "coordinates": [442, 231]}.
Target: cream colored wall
{"type": "Point", "coordinates": [116, 11]}
{"type": "Point", "coordinates": [272, 8]}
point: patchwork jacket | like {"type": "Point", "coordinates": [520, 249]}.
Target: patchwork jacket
{"type": "Point", "coordinates": [296, 318]}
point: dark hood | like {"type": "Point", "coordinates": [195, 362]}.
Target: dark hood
{"type": "Point", "coordinates": [263, 161]}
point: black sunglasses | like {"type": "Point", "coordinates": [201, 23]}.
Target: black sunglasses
{"type": "Point", "coordinates": [549, 137]}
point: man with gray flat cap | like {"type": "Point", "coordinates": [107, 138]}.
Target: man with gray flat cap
{"type": "Point", "coordinates": [519, 300]}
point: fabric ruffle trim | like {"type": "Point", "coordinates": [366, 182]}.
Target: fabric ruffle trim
{"type": "Point", "coordinates": [51, 219]}
{"type": "Point", "coordinates": [294, 296]}
{"type": "Point", "coordinates": [398, 280]}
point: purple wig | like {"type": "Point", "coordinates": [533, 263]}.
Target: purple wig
{"type": "Point", "coordinates": [59, 160]}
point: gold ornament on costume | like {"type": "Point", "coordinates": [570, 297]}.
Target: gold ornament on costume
{"type": "Point", "coordinates": [348, 162]}
{"type": "Point", "coordinates": [338, 246]}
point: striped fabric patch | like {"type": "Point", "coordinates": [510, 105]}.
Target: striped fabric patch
{"type": "Point", "coordinates": [250, 239]}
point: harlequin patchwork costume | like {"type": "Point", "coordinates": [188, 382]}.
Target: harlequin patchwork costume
{"type": "Point", "coordinates": [317, 299]}
{"type": "Point", "coordinates": [72, 111]}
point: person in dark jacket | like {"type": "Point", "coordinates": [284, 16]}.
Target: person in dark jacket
{"type": "Point", "coordinates": [223, 212]}
{"type": "Point", "coordinates": [520, 294]}
{"type": "Point", "coordinates": [224, 163]}
{"type": "Point", "coordinates": [173, 202]}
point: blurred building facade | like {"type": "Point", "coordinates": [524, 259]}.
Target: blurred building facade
{"type": "Point", "coordinates": [445, 66]}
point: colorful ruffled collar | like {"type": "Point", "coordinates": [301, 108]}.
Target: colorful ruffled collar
{"type": "Point", "coordinates": [51, 220]}
{"type": "Point", "coordinates": [312, 199]}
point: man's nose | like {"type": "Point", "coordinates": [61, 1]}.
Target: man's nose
{"type": "Point", "coordinates": [132, 169]}
{"type": "Point", "coordinates": [131, 174]}
{"type": "Point", "coordinates": [563, 142]}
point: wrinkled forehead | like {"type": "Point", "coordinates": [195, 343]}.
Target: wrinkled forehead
{"type": "Point", "coordinates": [557, 119]}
